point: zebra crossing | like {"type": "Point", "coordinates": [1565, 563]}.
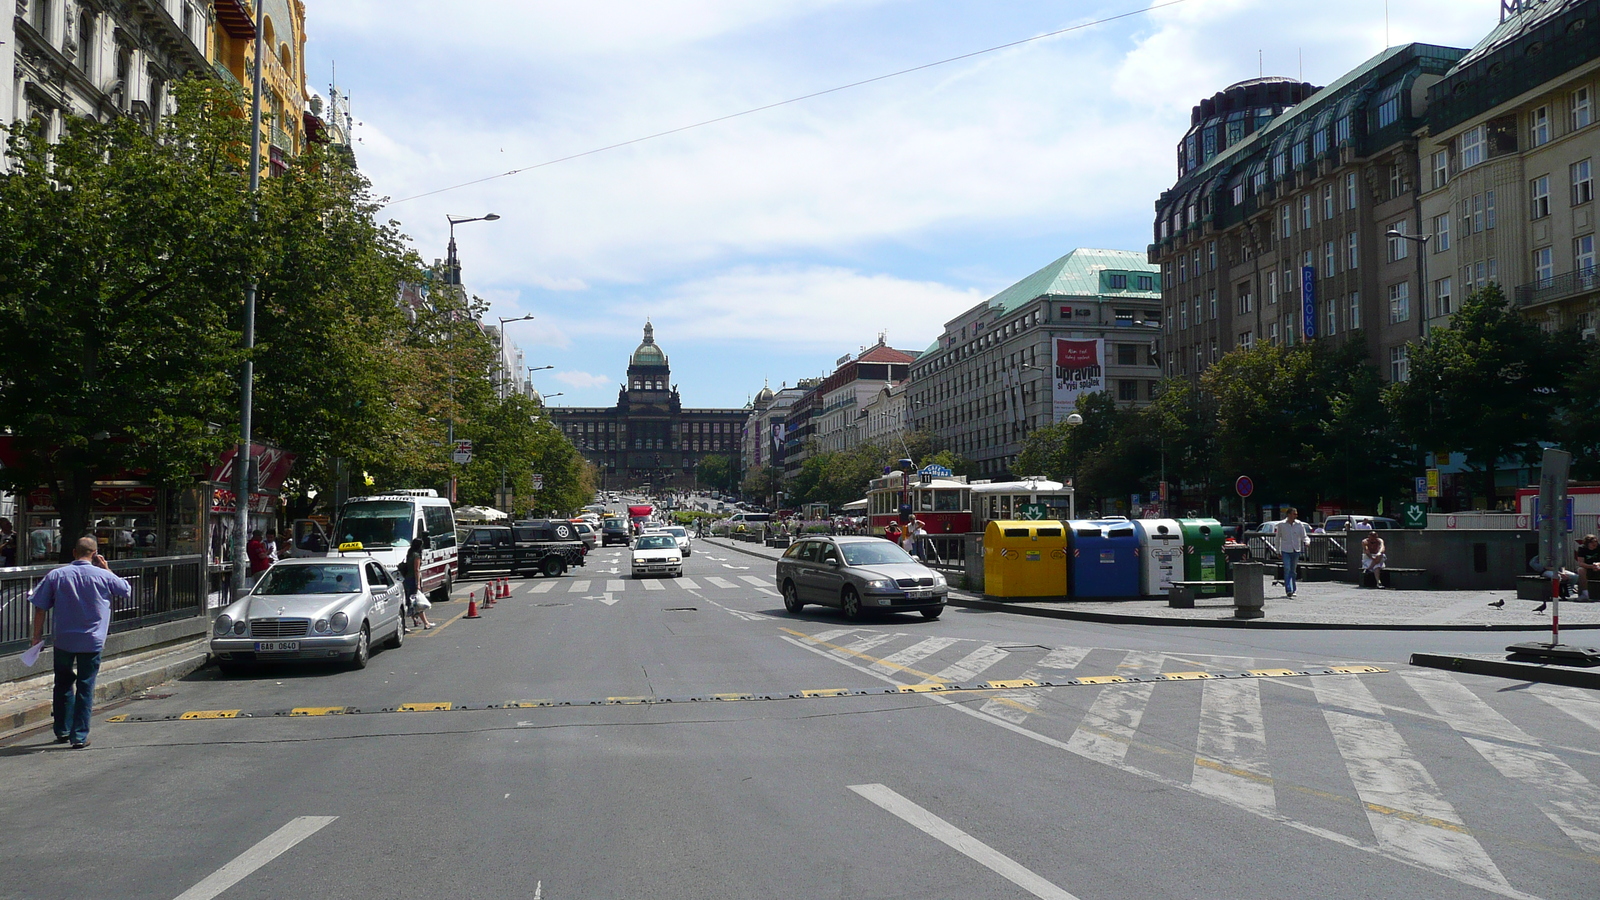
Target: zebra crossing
{"type": "Point", "coordinates": [621, 585]}
{"type": "Point", "coordinates": [1404, 765]}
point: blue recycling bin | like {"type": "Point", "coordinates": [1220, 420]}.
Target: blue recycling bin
{"type": "Point", "coordinates": [1105, 559]}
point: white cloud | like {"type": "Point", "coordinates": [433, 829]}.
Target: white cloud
{"type": "Point", "coordinates": [583, 379]}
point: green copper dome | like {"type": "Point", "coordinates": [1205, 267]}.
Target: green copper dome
{"type": "Point", "coordinates": [648, 353]}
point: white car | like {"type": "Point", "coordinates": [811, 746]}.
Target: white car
{"type": "Point", "coordinates": [657, 554]}
{"type": "Point", "coordinates": [682, 535]}
{"type": "Point", "coordinates": [588, 533]}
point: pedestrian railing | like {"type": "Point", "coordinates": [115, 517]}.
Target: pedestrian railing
{"type": "Point", "coordinates": [944, 551]}
{"type": "Point", "coordinates": [165, 588]}
{"type": "Point", "coordinates": [1324, 548]}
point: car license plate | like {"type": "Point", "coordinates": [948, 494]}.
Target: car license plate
{"type": "Point", "coordinates": [276, 646]}
{"type": "Point", "coordinates": [919, 595]}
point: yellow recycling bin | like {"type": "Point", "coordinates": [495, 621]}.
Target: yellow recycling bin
{"type": "Point", "coordinates": [1025, 560]}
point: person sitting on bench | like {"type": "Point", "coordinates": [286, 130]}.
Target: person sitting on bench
{"type": "Point", "coordinates": [1373, 559]}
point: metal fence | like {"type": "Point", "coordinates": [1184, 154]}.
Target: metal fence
{"type": "Point", "coordinates": [1324, 548]}
{"type": "Point", "coordinates": [1503, 521]}
{"type": "Point", "coordinates": [944, 551]}
{"type": "Point", "coordinates": [164, 588]}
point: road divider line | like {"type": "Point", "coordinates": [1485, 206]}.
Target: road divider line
{"type": "Point", "coordinates": [963, 843]}
{"type": "Point", "coordinates": [266, 850]}
{"type": "Point", "coordinates": [440, 626]}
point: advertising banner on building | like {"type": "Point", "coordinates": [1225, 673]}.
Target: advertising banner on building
{"type": "Point", "coordinates": [1079, 369]}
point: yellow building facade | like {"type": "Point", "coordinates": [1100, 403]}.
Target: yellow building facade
{"type": "Point", "coordinates": [284, 95]}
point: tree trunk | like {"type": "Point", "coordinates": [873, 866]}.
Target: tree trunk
{"type": "Point", "coordinates": [1488, 484]}
{"type": "Point", "coordinates": [74, 497]}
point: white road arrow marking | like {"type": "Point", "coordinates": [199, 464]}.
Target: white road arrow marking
{"type": "Point", "coordinates": [741, 568]}
{"type": "Point", "coordinates": [605, 598]}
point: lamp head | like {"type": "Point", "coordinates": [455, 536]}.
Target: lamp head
{"type": "Point", "coordinates": [1074, 419]}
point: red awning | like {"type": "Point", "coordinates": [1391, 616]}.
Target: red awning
{"type": "Point", "coordinates": [235, 19]}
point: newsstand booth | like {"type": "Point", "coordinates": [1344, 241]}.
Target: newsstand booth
{"type": "Point", "coordinates": [1161, 556]}
{"type": "Point", "coordinates": [1025, 560]}
{"type": "Point", "coordinates": [1105, 559]}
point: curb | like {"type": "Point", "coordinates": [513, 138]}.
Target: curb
{"type": "Point", "coordinates": [116, 687]}
{"type": "Point", "coordinates": [1519, 671]}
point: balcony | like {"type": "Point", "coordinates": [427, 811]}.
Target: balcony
{"type": "Point", "coordinates": [1558, 287]}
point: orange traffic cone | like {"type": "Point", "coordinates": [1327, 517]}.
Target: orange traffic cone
{"type": "Point", "coordinates": [488, 596]}
{"type": "Point", "coordinates": [472, 606]}
{"type": "Point", "coordinates": [505, 588]}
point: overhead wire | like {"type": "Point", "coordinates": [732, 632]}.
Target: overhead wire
{"type": "Point", "coordinates": [813, 95]}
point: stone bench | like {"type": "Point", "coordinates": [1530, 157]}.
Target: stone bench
{"type": "Point", "coordinates": [1401, 579]}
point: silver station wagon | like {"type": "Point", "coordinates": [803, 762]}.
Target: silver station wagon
{"type": "Point", "coordinates": [858, 575]}
{"type": "Point", "coordinates": [311, 609]}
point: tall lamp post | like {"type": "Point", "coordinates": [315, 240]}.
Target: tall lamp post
{"type": "Point", "coordinates": [243, 465]}
{"type": "Point", "coordinates": [452, 277]}
{"type": "Point", "coordinates": [501, 333]}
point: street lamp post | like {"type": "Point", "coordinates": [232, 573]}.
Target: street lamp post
{"type": "Point", "coordinates": [501, 334]}
{"type": "Point", "coordinates": [242, 463]}
{"type": "Point", "coordinates": [1421, 240]}
{"type": "Point", "coordinates": [452, 277]}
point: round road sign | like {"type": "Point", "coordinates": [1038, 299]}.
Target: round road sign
{"type": "Point", "coordinates": [1244, 486]}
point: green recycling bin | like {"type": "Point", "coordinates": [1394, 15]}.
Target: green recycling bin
{"type": "Point", "coordinates": [1203, 559]}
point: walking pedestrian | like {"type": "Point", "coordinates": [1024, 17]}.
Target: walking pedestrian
{"type": "Point", "coordinates": [411, 580]}
{"type": "Point", "coordinates": [80, 595]}
{"type": "Point", "coordinates": [1293, 539]}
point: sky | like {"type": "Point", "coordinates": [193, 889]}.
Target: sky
{"type": "Point", "coordinates": [765, 247]}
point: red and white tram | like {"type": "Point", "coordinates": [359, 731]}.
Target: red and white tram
{"type": "Point", "coordinates": [942, 504]}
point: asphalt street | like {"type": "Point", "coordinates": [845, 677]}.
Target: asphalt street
{"type": "Point", "coordinates": [1406, 783]}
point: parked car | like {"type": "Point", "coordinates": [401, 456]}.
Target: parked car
{"type": "Point", "coordinates": [312, 609]}
{"type": "Point", "coordinates": [1345, 523]}
{"type": "Point", "coordinates": [656, 554]}
{"type": "Point", "coordinates": [614, 531]}
{"type": "Point", "coordinates": [858, 574]}
{"type": "Point", "coordinates": [547, 546]}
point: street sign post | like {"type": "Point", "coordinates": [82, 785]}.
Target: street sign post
{"type": "Point", "coordinates": [1414, 515]}
{"type": "Point", "coordinates": [462, 453]}
{"type": "Point", "coordinates": [1244, 487]}
{"type": "Point", "coordinates": [1422, 489]}
{"type": "Point", "coordinates": [538, 482]}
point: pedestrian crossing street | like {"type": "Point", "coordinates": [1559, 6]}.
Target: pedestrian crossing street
{"type": "Point", "coordinates": [1417, 765]}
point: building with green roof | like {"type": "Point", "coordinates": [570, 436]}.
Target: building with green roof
{"type": "Point", "coordinates": [991, 377]}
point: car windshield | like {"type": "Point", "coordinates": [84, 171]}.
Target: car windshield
{"type": "Point", "coordinates": [376, 523]}
{"type": "Point", "coordinates": [331, 578]}
{"type": "Point", "coordinates": [677, 531]}
{"type": "Point", "coordinates": [873, 553]}
{"type": "Point", "coordinates": [657, 542]}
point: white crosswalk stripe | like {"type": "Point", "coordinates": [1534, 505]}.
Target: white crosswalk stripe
{"type": "Point", "coordinates": [1231, 749]}
{"type": "Point", "coordinates": [828, 636]}
{"type": "Point", "coordinates": [578, 587]}
{"type": "Point", "coordinates": [615, 586]}
{"type": "Point", "coordinates": [1575, 702]}
{"type": "Point", "coordinates": [849, 651]}
{"type": "Point", "coordinates": [1112, 721]}
{"type": "Point", "coordinates": [650, 584]}
{"type": "Point", "coordinates": [688, 584]}
{"type": "Point", "coordinates": [758, 582]}
{"type": "Point", "coordinates": [972, 665]}
{"type": "Point", "coordinates": [1567, 798]}
{"type": "Point", "coordinates": [543, 587]}
{"type": "Point", "coordinates": [1063, 658]}
{"type": "Point", "coordinates": [897, 663]}
{"type": "Point", "coordinates": [720, 582]}
{"type": "Point", "coordinates": [1388, 777]}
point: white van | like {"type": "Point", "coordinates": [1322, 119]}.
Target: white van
{"type": "Point", "coordinates": [386, 524]}
{"type": "Point", "coordinates": [745, 521]}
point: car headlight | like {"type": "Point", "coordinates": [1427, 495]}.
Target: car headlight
{"type": "Point", "coordinates": [223, 623]}
{"type": "Point", "coordinates": [339, 622]}
{"type": "Point", "coordinates": [240, 626]}
{"type": "Point", "coordinates": [881, 584]}
{"type": "Point", "coordinates": [320, 626]}
{"type": "Point", "coordinates": [673, 559]}
{"type": "Point", "coordinates": [938, 580]}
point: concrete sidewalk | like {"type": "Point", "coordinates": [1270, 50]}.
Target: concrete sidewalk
{"type": "Point", "coordinates": [1319, 604]}
{"type": "Point", "coordinates": [25, 703]}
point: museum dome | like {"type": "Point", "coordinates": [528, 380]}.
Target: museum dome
{"type": "Point", "coordinates": [764, 397]}
{"type": "Point", "coordinates": [648, 354]}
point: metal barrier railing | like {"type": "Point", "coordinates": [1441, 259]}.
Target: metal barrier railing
{"type": "Point", "coordinates": [164, 588]}
{"type": "Point", "coordinates": [1324, 548]}
{"type": "Point", "coordinates": [944, 551]}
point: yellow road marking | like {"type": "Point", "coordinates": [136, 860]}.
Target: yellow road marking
{"type": "Point", "coordinates": [871, 659]}
{"type": "Point", "coordinates": [1272, 673]}
{"type": "Point", "coordinates": [1101, 679]}
{"type": "Point", "coordinates": [1186, 676]}
{"type": "Point", "coordinates": [1014, 683]}
{"type": "Point", "coordinates": [628, 701]}
{"type": "Point", "coordinates": [825, 692]}
{"type": "Point", "coordinates": [1355, 670]}
{"type": "Point", "coordinates": [1015, 704]}
{"type": "Point", "coordinates": [424, 707]}
{"type": "Point", "coordinates": [530, 704]}
{"type": "Point", "coordinates": [442, 625]}
{"type": "Point", "coordinates": [733, 696]}
{"type": "Point", "coordinates": [209, 714]}
{"type": "Point", "coordinates": [120, 717]}
{"type": "Point", "coordinates": [920, 688]}
{"type": "Point", "coordinates": [316, 711]}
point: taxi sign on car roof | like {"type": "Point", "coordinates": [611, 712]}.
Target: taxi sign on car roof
{"type": "Point", "coordinates": [350, 547]}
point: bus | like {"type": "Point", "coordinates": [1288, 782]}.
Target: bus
{"type": "Point", "coordinates": [942, 504]}
{"type": "Point", "coordinates": [385, 525]}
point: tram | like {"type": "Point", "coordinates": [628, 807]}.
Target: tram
{"type": "Point", "coordinates": [942, 504]}
{"type": "Point", "coordinates": [1006, 500]}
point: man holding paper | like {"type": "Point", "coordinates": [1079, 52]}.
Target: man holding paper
{"type": "Point", "coordinates": [80, 594]}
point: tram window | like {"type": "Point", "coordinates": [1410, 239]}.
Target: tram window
{"type": "Point", "coordinates": [947, 501]}
{"type": "Point", "coordinates": [924, 500]}
{"type": "Point", "coordinates": [1016, 532]}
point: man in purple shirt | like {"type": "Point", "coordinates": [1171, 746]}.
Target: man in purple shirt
{"type": "Point", "coordinates": [80, 594]}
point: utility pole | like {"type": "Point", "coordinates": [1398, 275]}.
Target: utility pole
{"type": "Point", "coordinates": [243, 465]}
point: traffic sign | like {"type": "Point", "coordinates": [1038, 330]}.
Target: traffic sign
{"type": "Point", "coordinates": [462, 453]}
{"type": "Point", "coordinates": [1422, 489]}
{"type": "Point", "coordinates": [1414, 515]}
{"type": "Point", "coordinates": [1244, 486]}
{"type": "Point", "coordinates": [538, 482]}
{"type": "Point", "coordinates": [1033, 512]}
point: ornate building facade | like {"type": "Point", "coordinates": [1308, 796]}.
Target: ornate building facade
{"type": "Point", "coordinates": [649, 437]}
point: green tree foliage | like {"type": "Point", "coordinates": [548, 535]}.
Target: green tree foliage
{"type": "Point", "coordinates": [1490, 386]}
{"type": "Point", "coordinates": [1579, 428]}
{"type": "Point", "coordinates": [718, 472]}
{"type": "Point", "coordinates": [839, 477]}
{"type": "Point", "coordinates": [124, 254]}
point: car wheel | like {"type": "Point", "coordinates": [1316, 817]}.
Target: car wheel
{"type": "Point", "coordinates": [441, 594]}
{"type": "Point", "coordinates": [932, 613]}
{"type": "Point", "coordinates": [363, 648]}
{"type": "Point", "coordinates": [399, 636]}
{"type": "Point", "coordinates": [850, 603]}
{"type": "Point", "coordinates": [553, 566]}
{"type": "Point", "coordinates": [791, 598]}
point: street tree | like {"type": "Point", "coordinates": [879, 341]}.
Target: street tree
{"type": "Point", "coordinates": [124, 255]}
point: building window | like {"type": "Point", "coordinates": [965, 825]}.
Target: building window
{"type": "Point", "coordinates": [1539, 197]}
{"type": "Point", "coordinates": [1397, 245]}
{"type": "Point", "coordinates": [1211, 256]}
{"type": "Point", "coordinates": [1583, 254]}
{"type": "Point", "coordinates": [1543, 265]}
{"type": "Point", "coordinates": [1305, 211]}
{"type": "Point", "coordinates": [1441, 233]}
{"type": "Point", "coordinates": [1441, 168]}
{"type": "Point", "coordinates": [1272, 333]}
{"type": "Point", "coordinates": [1355, 312]}
{"type": "Point", "coordinates": [1351, 252]}
{"type": "Point", "coordinates": [1183, 269]}
{"type": "Point", "coordinates": [1327, 202]}
{"type": "Point", "coordinates": [1399, 363]}
{"type": "Point", "coordinates": [1539, 126]}
{"type": "Point", "coordinates": [1183, 314]}
{"type": "Point", "coordinates": [1442, 304]}
{"type": "Point", "coordinates": [1488, 209]}
{"type": "Point", "coordinates": [1127, 354]}
{"type": "Point", "coordinates": [1319, 141]}
{"type": "Point", "coordinates": [1246, 302]}
{"type": "Point", "coordinates": [1350, 190]}
{"type": "Point", "coordinates": [1272, 287]}
{"type": "Point", "coordinates": [1397, 182]}
{"type": "Point", "coordinates": [1285, 222]}
{"type": "Point", "coordinates": [1211, 303]}
{"type": "Point", "coordinates": [1333, 319]}
{"type": "Point", "coordinates": [1471, 147]}
{"type": "Point", "coordinates": [1399, 302]}
{"type": "Point", "coordinates": [1389, 111]}
{"type": "Point", "coordinates": [1127, 389]}
{"type": "Point", "coordinates": [1582, 182]}
{"type": "Point", "coordinates": [1116, 281]}
{"type": "Point", "coordinates": [1146, 283]}
{"type": "Point", "coordinates": [1580, 111]}
{"type": "Point", "coordinates": [1341, 130]}
{"type": "Point", "coordinates": [1330, 255]}
{"type": "Point", "coordinates": [1246, 339]}
{"type": "Point", "coordinates": [1298, 154]}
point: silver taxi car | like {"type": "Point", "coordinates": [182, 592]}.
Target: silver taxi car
{"type": "Point", "coordinates": [311, 609]}
{"type": "Point", "coordinates": [858, 574]}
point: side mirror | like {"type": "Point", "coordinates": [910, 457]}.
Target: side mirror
{"type": "Point", "coordinates": [833, 563]}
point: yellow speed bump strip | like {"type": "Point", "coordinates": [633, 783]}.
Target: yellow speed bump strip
{"type": "Point", "coordinates": [736, 697]}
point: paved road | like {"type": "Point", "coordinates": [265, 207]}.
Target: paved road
{"type": "Point", "coordinates": [1408, 783]}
